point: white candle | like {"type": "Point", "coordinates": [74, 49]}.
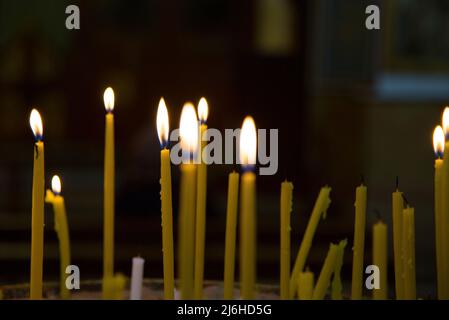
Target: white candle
{"type": "Point", "coordinates": [136, 279]}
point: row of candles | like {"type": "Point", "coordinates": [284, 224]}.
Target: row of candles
{"type": "Point", "coordinates": [296, 283]}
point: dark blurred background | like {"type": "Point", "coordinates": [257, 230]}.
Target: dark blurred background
{"type": "Point", "coordinates": [348, 102]}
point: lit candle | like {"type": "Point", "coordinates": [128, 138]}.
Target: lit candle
{"type": "Point", "coordinates": [327, 270]}
{"type": "Point", "coordinates": [248, 154]}
{"type": "Point", "coordinates": [286, 209]}
{"type": "Point", "coordinates": [438, 145]}
{"type": "Point", "coordinates": [188, 130]}
{"type": "Point", "coordinates": [305, 285]}
{"type": "Point", "coordinates": [37, 211]}
{"type": "Point", "coordinates": [136, 279]}
{"type": "Point", "coordinates": [203, 111]}
{"type": "Point", "coordinates": [445, 206]}
{"type": "Point", "coordinates": [408, 241]}
{"type": "Point", "coordinates": [319, 210]}
{"type": "Point", "coordinates": [231, 226]}
{"type": "Point", "coordinates": [380, 250]}
{"type": "Point", "coordinates": [61, 227]}
{"type": "Point", "coordinates": [162, 125]}
{"type": "Point", "coordinates": [359, 242]}
{"type": "Point", "coordinates": [337, 286]}
{"type": "Point", "coordinates": [397, 207]}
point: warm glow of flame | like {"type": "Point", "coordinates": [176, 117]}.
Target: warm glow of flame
{"type": "Point", "coordinates": [188, 128]}
{"type": "Point", "coordinates": [56, 184]}
{"type": "Point", "coordinates": [203, 110]}
{"type": "Point", "coordinates": [446, 121]}
{"type": "Point", "coordinates": [36, 124]}
{"type": "Point", "coordinates": [108, 98]}
{"type": "Point", "coordinates": [162, 122]}
{"type": "Point", "coordinates": [248, 142]}
{"type": "Point", "coordinates": [438, 141]}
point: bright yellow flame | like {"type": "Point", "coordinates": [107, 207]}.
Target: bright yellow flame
{"type": "Point", "coordinates": [56, 184]}
{"type": "Point", "coordinates": [36, 124]}
{"type": "Point", "coordinates": [203, 110]}
{"type": "Point", "coordinates": [108, 98]}
{"type": "Point", "coordinates": [162, 122]}
{"type": "Point", "coordinates": [248, 142]}
{"type": "Point", "coordinates": [446, 120]}
{"type": "Point", "coordinates": [188, 128]}
{"type": "Point", "coordinates": [438, 141]}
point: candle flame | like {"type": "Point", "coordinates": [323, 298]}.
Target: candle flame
{"type": "Point", "coordinates": [56, 184]}
{"type": "Point", "coordinates": [108, 98]}
{"type": "Point", "coordinates": [248, 142]}
{"type": "Point", "coordinates": [188, 128]}
{"type": "Point", "coordinates": [203, 110]}
{"type": "Point", "coordinates": [438, 141]}
{"type": "Point", "coordinates": [446, 121]}
{"type": "Point", "coordinates": [162, 123]}
{"type": "Point", "coordinates": [36, 124]}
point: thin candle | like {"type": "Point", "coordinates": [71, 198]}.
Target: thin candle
{"type": "Point", "coordinates": [445, 207]}
{"type": "Point", "coordinates": [327, 270]}
{"type": "Point", "coordinates": [438, 145]}
{"type": "Point", "coordinates": [305, 285]}
{"type": "Point", "coordinates": [408, 241]}
{"type": "Point", "coordinates": [162, 125]}
{"type": "Point", "coordinates": [359, 242]}
{"type": "Point", "coordinates": [397, 208]}
{"type": "Point", "coordinates": [337, 286]}
{"type": "Point", "coordinates": [285, 214]}
{"type": "Point", "coordinates": [380, 254]}
{"type": "Point", "coordinates": [188, 130]}
{"type": "Point", "coordinates": [54, 197]}
{"type": "Point", "coordinates": [37, 211]}
{"type": "Point", "coordinates": [200, 229]}
{"type": "Point", "coordinates": [248, 153]}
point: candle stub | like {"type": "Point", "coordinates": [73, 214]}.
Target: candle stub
{"type": "Point", "coordinates": [136, 279]}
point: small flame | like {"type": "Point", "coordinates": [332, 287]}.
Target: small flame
{"type": "Point", "coordinates": [438, 141]}
{"type": "Point", "coordinates": [108, 98]}
{"type": "Point", "coordinates": [188, 128]}
{"type": "Point", "coordinates": [248, 142]}
{"type": "Point", "coordinates": [36, 124]}
{"type": "Point", "coordinates": [446, 121]}
{"type": "Point", "coordinates": [56, 184]}
{"type": "Point", "coordinates": [203, 110]}
{"type": "Point", "coordinates": [162, 123]}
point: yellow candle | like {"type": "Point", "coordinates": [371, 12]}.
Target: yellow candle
{"type": "Point", "coordinates": [166, 202]}
{"type": "Point", "coordinates": [359, 242]}
{"type": "Point", "coordinates": [109, 189]}
{"type": "Point", "coordinates": [37, 211]}
{"type": "Point", "coordinates": [327, 270]}
{"type": "Point", "coordinates": [438, 143]}
{"type": "Point", "coordinates": [248, 152]}
{"type": "Point", "coordinates": [398, 205]}
{"type": "Point", "coordinates": [337, 286]}
{"type": "Point", "coordinates": [445, 207]}
{"type": "Point", "coordinates": [201, 203]}
{"type": "Point", "coordinates": [189, 143]}
{"type": "Point", "coordinates": [62, 230]}
{"type": "Point", "coordinates": [286, 209]}
{"type": "Point", "coordinates": [231, 225]}
{"type": "Point", "coordinates": [319, 210]}
{"type": "Point", "coordinates": [408, 242]}
{"type": "Point", "coordinates": [380, 250]}
{"type": "Point", "coordinates": [305, 285]}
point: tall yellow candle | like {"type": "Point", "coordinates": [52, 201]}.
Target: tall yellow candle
{"type": "Point", "coordinates": [380, 251]}
{"type": "Point", "coordinates": [248, 153]}
{"type": "Point", "coordinates": [109, 190]}
{"type": "Point", "coordinates": [286, 209]}
{"type": "Point", "coordinates": [231, 226]}
{"type": "Point", "coordinates": [162, 124]}
{"type": "Point", "coordinates": [203, 111]}
{"type": "Point", "coordinates": [409, 253]}
{"type": "Point", "coordinates": [37, 211]}
{"type": "Point", "coordinates": [337, 286]}
{"type": "Point", "coordinates": [327, 270]}
{"type": "Point", "coordinates": [188, 129]}
{"type": "Point", "coordinates": [445, 207]}
{"type": "Point", "coordinates": [397, 207]}
{"type": "Point", "coordinates": [359, 242]}
{"type": "Point", "coordinates": [319, 210]}
{"type": "Point", "coordinates": [305, 285]}
{"type": "Point", "coordinates": [61, 227]}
